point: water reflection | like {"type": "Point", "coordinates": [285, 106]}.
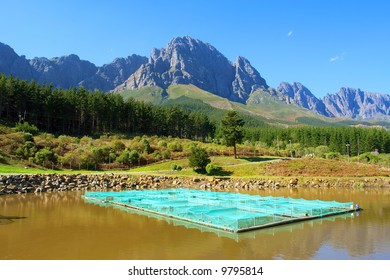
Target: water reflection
{"type": "Point", "coordinates": [63, 226]}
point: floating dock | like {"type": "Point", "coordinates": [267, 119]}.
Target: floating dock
{"type": "Point", "coordinates": [231, 212]}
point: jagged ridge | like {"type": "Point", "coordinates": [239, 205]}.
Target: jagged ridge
{"type": "Point", "coordinates": [346, 103]}
{"type": "Point", "coordinates": [69, 71]}
{"type": "Point", "coordinates": [190, 61]}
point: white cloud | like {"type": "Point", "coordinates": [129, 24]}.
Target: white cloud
{"type": "Point", "coordinates": [290, 33]}
{"type": "Point", "coordinates": [337, 57]}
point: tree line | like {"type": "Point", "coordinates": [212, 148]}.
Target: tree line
{"type": "Point", "coordinates": [81, 112]}
{"type": "Point", "coordinates": [344, 140]}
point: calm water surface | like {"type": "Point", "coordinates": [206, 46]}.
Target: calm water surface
{"type": "Point", "coordinates": [63, 226]}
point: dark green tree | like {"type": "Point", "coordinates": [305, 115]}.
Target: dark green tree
{"type": "Point", "coordinates": [231, 126]}
{"type": "Point", "coordinates": [198, 159]}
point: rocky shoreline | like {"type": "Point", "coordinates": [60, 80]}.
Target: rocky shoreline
{"type": "Point", "coordinates": [23, 183]}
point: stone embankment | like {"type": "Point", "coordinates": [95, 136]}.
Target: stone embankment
{"type": "Point", "coordinates": [18, 184]}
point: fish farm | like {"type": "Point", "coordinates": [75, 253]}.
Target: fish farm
{"type": "Point", "coordinates": [233, 212]}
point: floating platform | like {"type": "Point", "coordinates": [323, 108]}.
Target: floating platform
{"type": "Point", "coordinates": [231, 212]}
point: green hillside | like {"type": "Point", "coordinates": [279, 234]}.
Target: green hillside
{"type": "Point", "coordinates": [261, 108]}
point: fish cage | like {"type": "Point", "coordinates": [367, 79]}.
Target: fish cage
{"type": "Point", "coordinates": [233, 212]}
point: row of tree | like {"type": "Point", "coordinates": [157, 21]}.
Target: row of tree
{"type": "Point", "coordinates": [343, 140]}
{"type": "Point", "coordinates": [78, 111]}
{"type": "Point", "coordinates": [81, 112]}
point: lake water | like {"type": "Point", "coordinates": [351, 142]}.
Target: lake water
{"type": "Point", "coordinates": [63, 226]}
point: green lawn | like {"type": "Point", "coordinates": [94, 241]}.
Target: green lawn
{"type": "Point", "coordinates": [241, 167]}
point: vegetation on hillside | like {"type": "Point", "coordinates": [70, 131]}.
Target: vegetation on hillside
{"type": "Point", "coordinates": [94, 130]}
{"type": "Point", "coordinates": [80, 112]}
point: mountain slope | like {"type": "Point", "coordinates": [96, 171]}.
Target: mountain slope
{"type": "Point", "coordinates": [357, 104]}
{"type": "Point", "coordinates": [298, 94]}
{"type": "Point", "coordinates": [189, 61]}
{"type": "Point", "coordinates": [346, 103]}
{"type": "Point", "coordinates": [69, 71]}
{"type": "Point", "coordinates": [264, 105]}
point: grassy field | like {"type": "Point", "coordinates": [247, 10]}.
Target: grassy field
{"type": "Point", "coordinates": [271, 167]}
{"type": "Point", "coordinates": [255, 167]}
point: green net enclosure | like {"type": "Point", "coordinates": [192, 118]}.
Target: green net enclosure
{"type": "Point", "coordinates": [233, 212]}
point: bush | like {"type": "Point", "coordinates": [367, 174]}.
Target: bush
{"type": "Point", "coordinates": [123, 158]}
{"type": "Point", "coordinates": [146, 146]}
{"type": "Point", "coordinates": [321, 151]}
{"type": "Point", "coordinates": [44, 155]}
{"type": "Point", "coordinates": [166, 154]}
{"type": "Point", "coordinates": [198, 159]}
{"type": "Point", "coordinates": [332, 155]}
{"type": "Point", "coordinates": [162, 144]}
{"type": "Point", "coordinates": [176, 167]}
{"type": "Point", "coordinates": [118, 146]}
{"type": "Point", "coordinates": [175, 147]}
{"type": "Point", "coordinates": [369, 157]}
{"type": "Point", "coordinates": [2, 159]}
{"type": "Point", "coordinates": [212, 169]}
{"type": "Point", "coordinates": [128, 157]}
{"type": "Point", "coordinates": [28, 150]}
{"type": "Point", "coordinates": [27, 136]}
{"type": "Point", "coordinates": [133, 157]}
{"type": "Point", "coordinates": [26, 127]}
{"type": "Point", "coordinates": [157, 155]}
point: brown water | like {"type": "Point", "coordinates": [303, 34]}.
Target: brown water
{"type": "Point", "coordinates": [63, 226]}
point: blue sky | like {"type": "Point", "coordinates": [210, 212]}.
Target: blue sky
{"type": "Point", "coordinates": [322, 44]}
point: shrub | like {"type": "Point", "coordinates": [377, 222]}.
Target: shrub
{"type": "Point", "coordinates": [100, 154]}
{"type": "Point", "coordinates": [128, 157]}
{"type": "Point", "coordinates": [118, 146]}
{"type": "Point", "coordinates": [166, 154]}
{"type": "Point", "coordinates": [321, 151]}
{"type": "Point", "coordinates": [44, 155]}
{"type": "Point", "coordinates": [162, 144]}
{"type": "Point", "coordinates": [133, 157]}
{"type": "Point", "coordinates": [175, 147]}
{"type": "Point", "coordinates": [157, 155]}
{"type": "Point", "coordinates": [332, 155]}
{"type": "Point", "coordinates": [369, 157]}
{"type": "Point", "coordinates": [198, 159]}
{"type": "Point", "coordinates": [2, 159]}
{"type": "Point", "coordinates": [146, 146]}
{"type": "Point", "coordinates": [123, 158]}
{"type": "Point", "coordinates": [27, 136]}
{"type": "Point", "coordinates": [212, 169]}
{"type": "Point", "coordinates": [27, 150]}
{"type": "Point", "coordinates": [26, 127]}
{"type": "Point", "coordinates": [176, 167]}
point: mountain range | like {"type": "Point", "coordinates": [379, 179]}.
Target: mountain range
{"type": "Point", "coordinates": [188, 61]}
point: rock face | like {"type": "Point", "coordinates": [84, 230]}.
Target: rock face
{"type": "Point", "coordinates": [63, 72]}
{"type": "Point", "coordinates": [111, 75]}
{"type": "Point", "coordinates": [190, 61]}
{"type": "Point", "coordinates": [347, 103]}
{"type": "Point", "coordinates": [298, 94]}
{"type": "Point", "coordinates": [69, 71]}
{"type": "Point", "coordinates": [12, 64]}
{"type": "Point", "coordinates": [354, 103]}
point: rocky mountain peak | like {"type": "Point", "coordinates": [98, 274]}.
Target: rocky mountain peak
{"type": "Point", "coordinates": [190, 61]}
{"type": "Point", "coordinates": [247, 78]}
{"type": "Point", "coordinates": [69, 71]}
{"type": "Point", "coordinates": [12, 64]}
{"type": "Point", "coordinates": [355, 103]}
{"type": "Point", "coordinates": [298, 94]}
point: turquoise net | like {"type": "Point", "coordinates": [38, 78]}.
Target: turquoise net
{"type": "Point", "coordinates": [222, 210]}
